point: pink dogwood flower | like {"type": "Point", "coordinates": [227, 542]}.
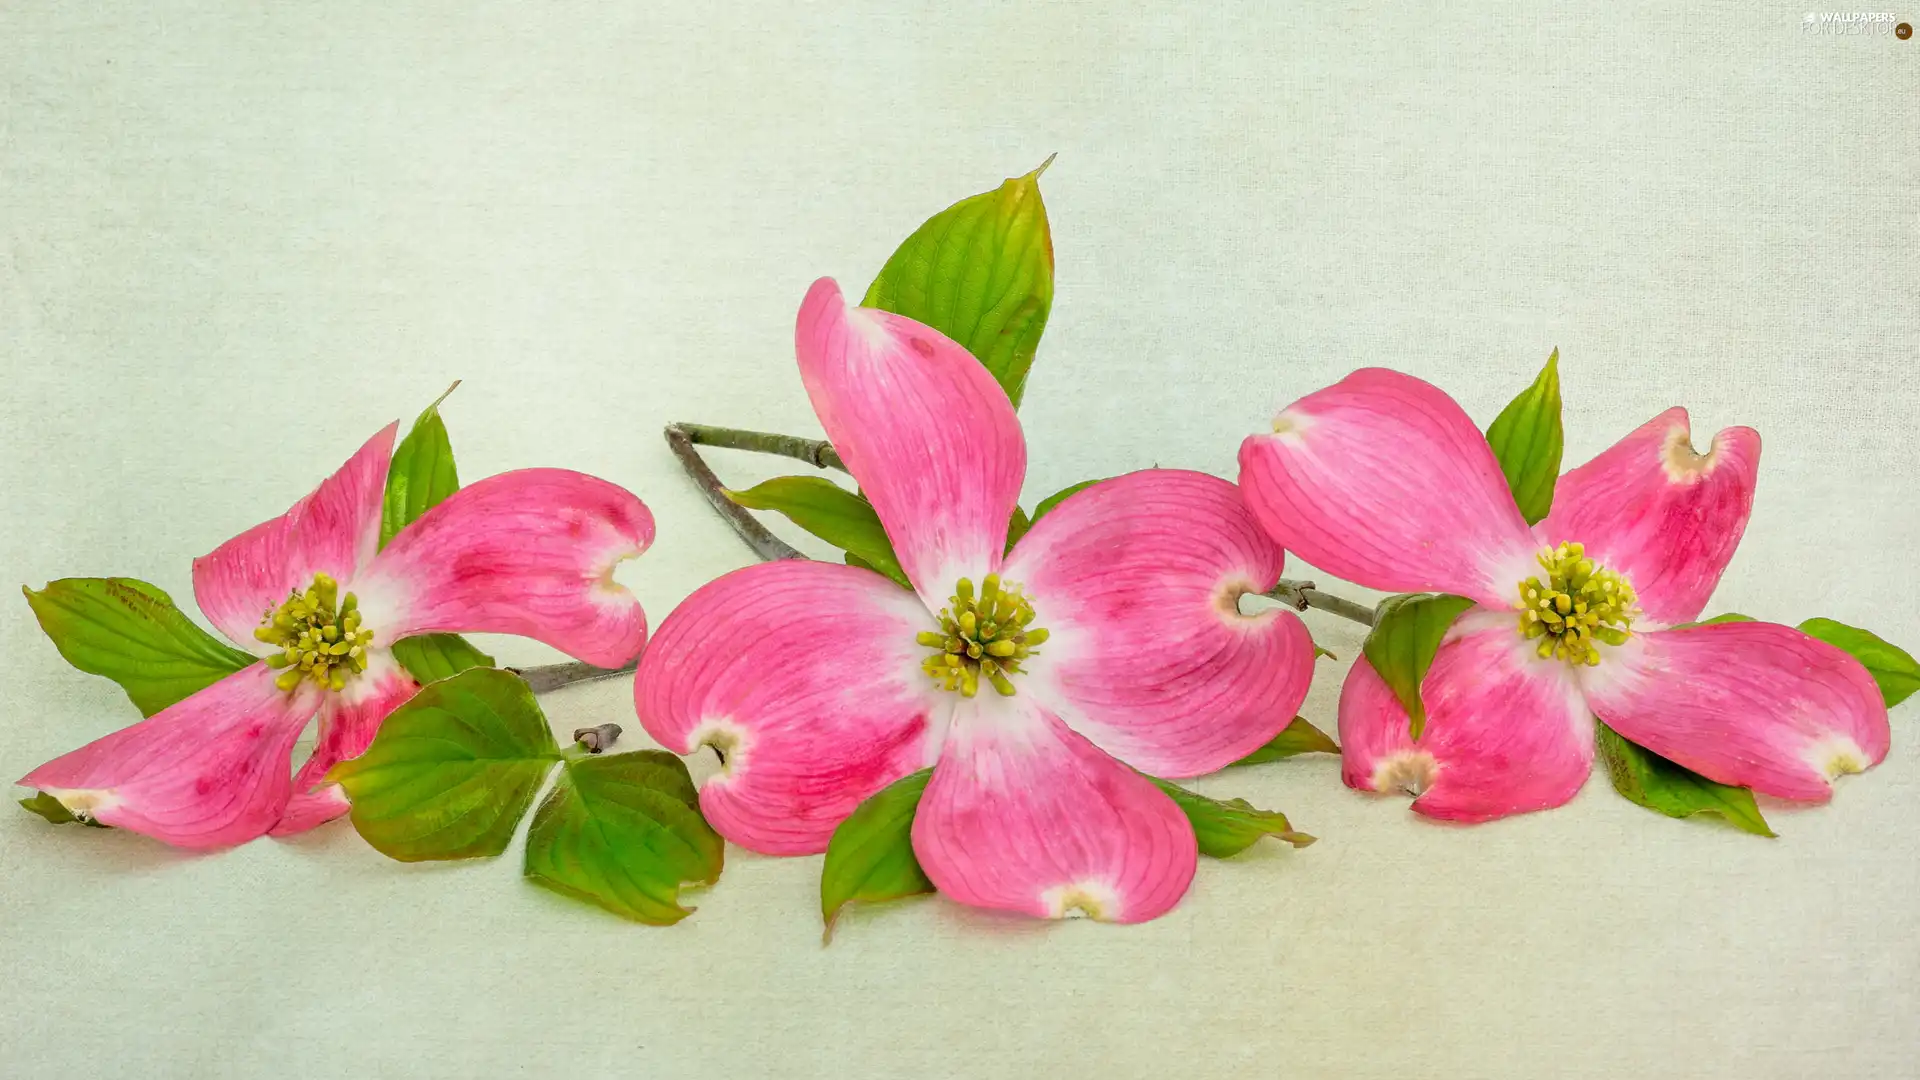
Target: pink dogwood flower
{"type": "Point", "coordinates": [312, 594]}
{"type": "Point", "coordinates": [1109, 634]}
{"type": "Point", "coordinates": [1383, 480]}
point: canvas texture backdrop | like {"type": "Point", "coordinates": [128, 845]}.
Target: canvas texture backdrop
{"type": "Point", "coordinates": [238, 241]}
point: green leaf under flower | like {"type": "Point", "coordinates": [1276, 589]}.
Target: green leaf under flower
{"type": "Point", "coordinates": [830, 512]}
{"type": "Point", "coordinates": [1225, 829]}
{"type": "Point", "coordinates": [1527, 441]}
{"type": "Point", "coordinates": [131, 632]}
{"type": "Point", "coordinates": [624, 831]}
{"type": "Point", "coordinates": [432, 657]}
{"type": "Point", "coordinates": [1058, 497]}
{"type": "Point", "coordinates": [980, 272]}
{"type": "Point", "coordinates": [56, 812]}
{"type": "Point", "coordinates": [453, 770]}
{"type": "Point", "coordinates": [1017, 527]}
{"type": "Point", "coordinates": [1892, 667]}
{"type": "Point", "coordinates": [1299, 738]}
{"type": "Point", "coordinates": [1407, 631]}
{"type": "Point", "coordinates": [421, 477]}
{"type": "Point", "coordinates": [870, 857]}
{"type": "Point", "coordinates": [1658, 784]}
{"type": "Point", "coordinates": [422, 473]}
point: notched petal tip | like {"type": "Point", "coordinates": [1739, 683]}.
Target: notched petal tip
{"type": "Point", "coordinates": [1409, 772]}
{"type": "Point", "coordinates": [1096, 900]}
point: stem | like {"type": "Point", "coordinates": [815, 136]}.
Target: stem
{"type": "Point", "coordinates": [682, 438]}
{"type": "Point", "coordinates": [1301, 595]}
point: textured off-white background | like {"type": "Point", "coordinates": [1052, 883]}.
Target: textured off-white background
{"type": "Point", "coordinates": [236, 242]}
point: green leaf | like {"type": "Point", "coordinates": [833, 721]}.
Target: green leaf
{"type": "Point", "coordinates": [831, 513]}
{"type": "Point", "coordinates": [55, 811]}
{"type": "Point", "coordinates": [421, 477]}
{"type": "Point", "coordinates": [432, 657]}
{"type": "Point", "coordinates": [624, 831]}
{"type": "Point", "coordinates": [422, 472]}
{"type": "Point", "coordinates": [1059, 497]}
{"type": "Point", "coordinates": [453, 770]}
{"type": "Point", "coordinates": [1299, 738]}
{"type": "Point", "coordinates": [1017, 527]}
{"type": "Point", "coordinates": [1526, 439]}
{"type": "Point", "coordinates": [980, 272]}
{"type": "Point", "coordinates": [1407, 630]}
{"type": "Point", "coordinates": [1231, 827]}
{"type": "Point", "coordinates": [1891, 666]}
{"type": "Point", "coordinates": [130, 632]}
{"type": "Point", "coordinates": [870, 857]}
{"type": "Point", "coordinates": [1652, 781]}
{"type": "Point", "coordinates": [1731, 616]}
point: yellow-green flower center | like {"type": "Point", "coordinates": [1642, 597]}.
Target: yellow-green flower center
{"type": "Point", "coordinates": [981, 637]}
{"type": "Point", "coordinates": [317, 640]}
{"type": "Point", "coordinates": [1576, 606]}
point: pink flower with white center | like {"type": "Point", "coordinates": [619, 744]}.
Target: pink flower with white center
{"type": "Point", "coordinates": [1110, 633]}
{"type": "Point", "coordinates": [1383, 480]}
{"type": "Point", "coordinates": [315, 597]}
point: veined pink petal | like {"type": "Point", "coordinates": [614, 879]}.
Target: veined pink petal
{"type": "Point", "coordinates": [1751, 704]}
{"type": "Point", "coordinates": [207, 772]}
{"type": "Point", "coordinates": [1381, 479]}
{"type": "Point", "coordinates": [348, 722]}
{"type": "Point", "coordinates": [334, 530]}
{"type": "Point", "coordinates": [1138, 580]}
{"type": "Point", "coordinates": [806, 677]}
{"type": "Point", "coordinates": [1377, 751]}
{"type": "Point", "coordinates": [1666, 517]}
{"type": "Point", "coordinates": [1024, 815]}
{"type": "Point", "coordinates": [530, 552]}
{"type": "Point", "coordinates": [923, 427]}
{"type": "Point", "coordinates": [1507, 731]}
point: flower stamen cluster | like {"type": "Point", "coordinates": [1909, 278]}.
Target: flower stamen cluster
{"type": "Point", "coordinates": [317, 640]}
{"type": "Point", "coordinates": [983, 637]}
{"type": "Point", "coordinates": [1579, 603]}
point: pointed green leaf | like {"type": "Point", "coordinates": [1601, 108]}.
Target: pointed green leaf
{"type": "Point", "coordinates": [1652, 781]}
{"type": "Point", "coordinates": [870, 857]}
{"type": "Point", "coordinates": [130, 632]}
{"type": "Point", "coordinates": [1526, 439]}
{"type": "Point", "coordinates": [1017, 527]}
{"type": "Point", "coordinates": [1891, 666]}
{"type": "Point", "coordinates": [422, 473]}
{"type": "Point", "coordinates": [1731, 616]}
{"type": "Point", "coordinates": [1231, 827]}
{"type": "Point", "coordinates": [453, 770]}
{"type": "Point", "coordinates": [432, 657]}
{"type": "Point", "coordinates": [56, 812]}
{"type": "Point", "coordinates": [1407, 630]}
{"type": "Point", "coordinates": [980, 272]}
{"type": "Point", "coordinates": [624, 831]}
{"type": "Point", "coordinates": [1299, 737]}
{"type": "Point", "coordinates": [830, 512]}
{"type": "Point", "coordinates": [1059, 497]}
{"type": "Point", "coordinates": [421, 477]}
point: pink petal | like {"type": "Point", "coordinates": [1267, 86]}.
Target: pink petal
{"type": "Point", "coordinates": [1382, 480]}
{"type": "Point", "coordinates": [530, 552]}
{"type": "Point", "coordinates": [1024, 815]}
{"type": "Point", "coordinates": [1750, 704]}
{"type": "Point", "coordinates": [348, 722]}
{"type": "Point", "coordinates": [334, 530]}
{"type": "Point", "coordinates": [806, 677]}
{"type": "Point", "coordinates": [1506, 731]}
{"type": "Point", "coordinates": [1377, 751]}
{"type": "Point", "coordinates": [207, 772]}
{"type": "Point", "coordinates": [1138, 580]}
{"type": "Point", "coordinates": [1667, 518]}
{"type": "Point", "coordinates": [923, 427]}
